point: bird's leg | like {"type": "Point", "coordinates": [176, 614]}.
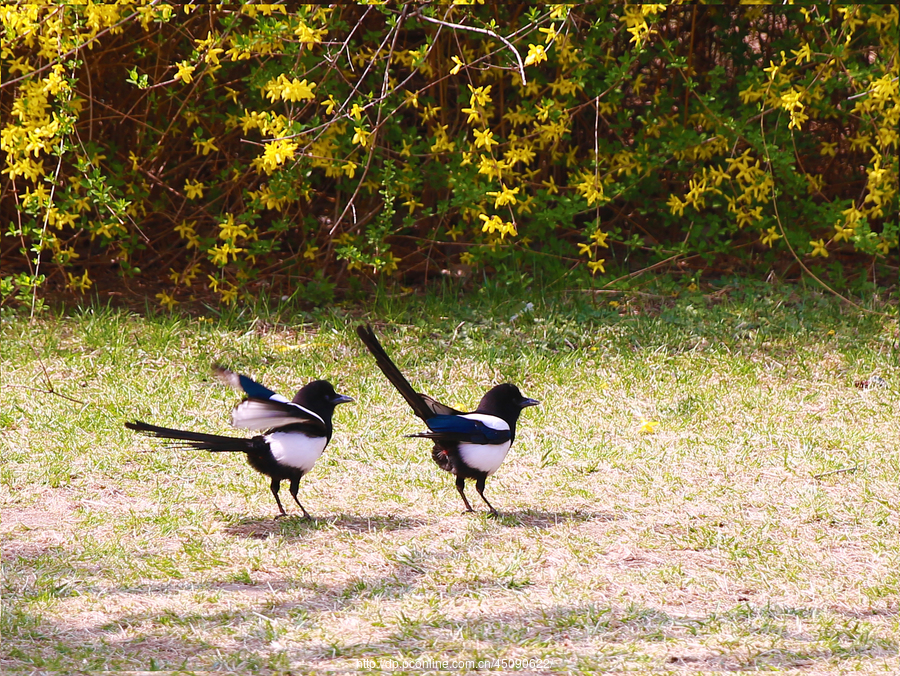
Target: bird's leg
{"type": "Point", "coordinates": [479, 486]}
{"type": "Point", "coordinates": [461, 487]}
{"type": "Point", "coordinates": [276, 485]}
{"type": "Point", "coordinates": [295, 486]}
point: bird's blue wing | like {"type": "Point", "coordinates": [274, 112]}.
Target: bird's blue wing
{"type": "Point", "coordinates": [458, 428]}
{"type": "Point", "coordinates": [248, 386]}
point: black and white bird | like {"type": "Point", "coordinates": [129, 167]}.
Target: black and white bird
{"type": "Point", "coordinates": [468, 445]}
{"type": "Point", "coordinates": [296, 432]}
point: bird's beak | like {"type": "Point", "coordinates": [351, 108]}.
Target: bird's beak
{"type": "Point", "coordinates": [529, 402]}
{"type": "Point", "coordinates": [342, 399]}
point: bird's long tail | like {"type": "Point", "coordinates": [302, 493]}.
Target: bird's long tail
{"type": "Point", "coordinates": [390, 370]}
{"type": "Point", "coordinates": [184, 439]}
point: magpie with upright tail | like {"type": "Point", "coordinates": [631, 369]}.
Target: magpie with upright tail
{"type": "Point", "coordinates": [468, 445]}
{"type": "Point", "coordinates": [296, 432]}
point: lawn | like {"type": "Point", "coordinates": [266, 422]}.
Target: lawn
{"type": "Point", "coordinates": [711, 483]}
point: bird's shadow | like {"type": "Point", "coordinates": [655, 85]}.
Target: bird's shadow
{"type": "Point", "coordinates": [538, 518]}
{"type": "Point", "coordinates": [296, 526]}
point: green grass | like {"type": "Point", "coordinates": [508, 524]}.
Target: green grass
{"type": "Point", "coordinates": [755, 528]}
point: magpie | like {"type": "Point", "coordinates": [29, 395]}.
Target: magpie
{"type": "Point", "coordinates": [296, 432]}
{"type": "Point", "coordinates": [468, 445]}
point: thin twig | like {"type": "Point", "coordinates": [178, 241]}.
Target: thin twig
{"type": "Point", "coordinates": [485, 31]}
{"type": "Point", "coordinates": [841, 470]}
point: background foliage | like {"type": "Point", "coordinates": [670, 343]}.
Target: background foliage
{"type": "Point", "coordinates": [196, 150]}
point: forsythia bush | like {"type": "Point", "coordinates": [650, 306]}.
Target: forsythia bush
{"type": "Point", "coordinates": [210, 149]}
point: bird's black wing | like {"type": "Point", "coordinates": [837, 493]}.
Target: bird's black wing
{"type": "Point", "coordinates": [422, 405]}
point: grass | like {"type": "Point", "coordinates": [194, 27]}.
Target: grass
{"type": "Point", "coordinates": [702, 489]}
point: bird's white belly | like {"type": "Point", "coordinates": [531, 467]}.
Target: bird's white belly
{"type": "Point", "coordinates": [484, 457]}
{"type": "Point", "coordinates": [296, 449]}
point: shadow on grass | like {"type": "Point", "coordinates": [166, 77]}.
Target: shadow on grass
{"type": "Point", "coordinates": [538, 518]}
{"type": "Point", "coordinates": [297, 526]}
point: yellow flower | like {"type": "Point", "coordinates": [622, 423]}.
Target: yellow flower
{"type": "Point", "coordinates": [481, 96]}
{"type": "Point", "coordinates": [186, 229]}
{"type": "Point", "coordinates": [229, 295]}
{"type": "Point", "coordinates": [600, 238]}
{"type": "Point", "coordinates": [391, 264]}
{"type": "Point", "coordinates": [297, 90]}
{"type": "Point", "coordinates": [819, 248]}
{"type": "Point", "coordinates": [770, 237]}
{"type": "Point", "coordinates": [185, 72]}
{"type": "Point", "coordinates": [496, 224]}
{"type": "Point", "coordinates": [829, 149]}
{"type": "Point", "coordinates": [219, 254]}
{"type": "Point", "coordinates": [803, 53]}
{"type": "Point", "coordinates": [310, 252]}
{"type": "Point", "coordinates": [549, 32]}
{"type": "Point", "coordinates": [843, 233]}
{"type": "Point", "coordinates": [474, 115]}
{"type": "Point", "coordinates": [194, 189]}
{"type": "Point", "coordinates": [412, 204]}
{"type": "Point", "coordinates": [584, 249]}
{"type": "Point", "coordinates": [458, 66]}
{"type": "Point", "coordinates": [81, 284]}
{"type": "Point", "coordinates": [205, 147]}
{"type": "Point", "coordinates": [166, 300]}
{"type": "Point", "coordinates": [361, 136]}
{"type": "Point", "coordinates": [491, 223]}
{"type": "Point", "coordinates": [676, 205]}
{"type": "Point", "coordinates": [329, 104]}
{"type": "Point", "coordinates": [884, 246]}
{"type": "Point", "coordinates": [484, 139]}
{"type": "Point", "coordinates": [536, 54]}
{"type": "Point", "coordinates": [597, 265]}
{"type": "Point", "coordinates": [504, 197]}
{"type": "Point", "coordinates": [648, 426]}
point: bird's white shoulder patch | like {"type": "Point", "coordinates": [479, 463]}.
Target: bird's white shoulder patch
{"type": "Point", "coordinates": [491, 421]}
{"type": "Point", "coordinates": [296, 449]}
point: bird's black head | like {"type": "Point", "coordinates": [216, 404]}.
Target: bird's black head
{"type": "Point", "coordinates": [505, 401]}
{"type": "Point", "coordinates": [319, 397]}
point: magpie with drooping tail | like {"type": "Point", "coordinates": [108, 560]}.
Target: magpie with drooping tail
{"type": "Point", "coordinates": [295, 432]}
{"type": "Point", "coordinates": [468, 445]}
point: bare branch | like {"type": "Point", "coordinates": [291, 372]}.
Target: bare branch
{"type": "Point", "coordinates": [484, 31]}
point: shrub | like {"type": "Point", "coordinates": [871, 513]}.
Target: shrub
{"type": "Point", "coordinates": [215, 149]}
